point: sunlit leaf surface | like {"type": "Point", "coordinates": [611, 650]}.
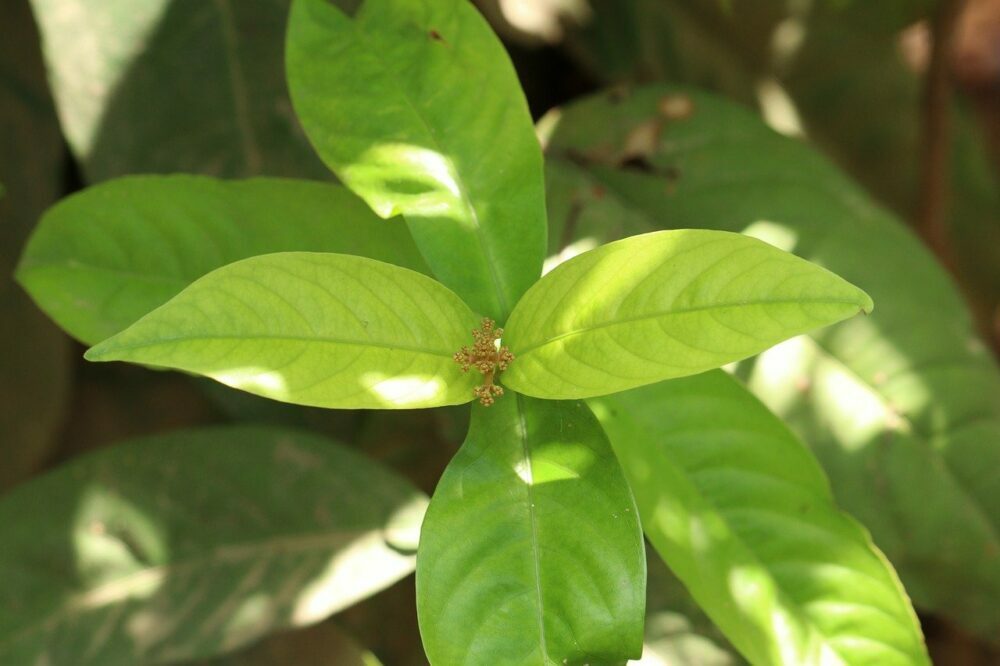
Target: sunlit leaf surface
{"type": "Point", "coordinates": [192, 544]}
{"type": "Point", "coordinates": [531, 551]}
{"type": "Point", "coordinates": [416, 107]}
{"type": "Point", "coordinates": [662, 305]}
{"type": "Point", "coordinates": [103, 258]}
{"type": "Point", "coordinates": [743, 514]}
{"type": "Point", "coordinates": [326, 330]}
{"type": "Point", "coordinates": [903, 406]}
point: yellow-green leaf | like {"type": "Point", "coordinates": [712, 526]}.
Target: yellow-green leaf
{"type": "Point", "coordinates": [662, 305]}
{"type": "Point", "coordinates": [327, 330]}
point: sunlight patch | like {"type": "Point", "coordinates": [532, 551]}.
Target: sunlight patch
{"type": "Point", "coordinates": [573, 249]}
{"type": "Point", "coordinates": [404, 391]}
{"type": "Point", "coordinates": [360, 569]}
{"type": "Point", "coordinates": [255, 380]}
{"type": "Point", "coordinates": [773, 233]}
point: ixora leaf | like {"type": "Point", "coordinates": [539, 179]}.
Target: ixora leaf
{"type": "Point", "coordinates": [901, 407]}
{"type": "Point", "coordinates": [742, 513]}
{"type": "Point", "coordinates": [163, 87]}
{"type": "Point", "coordinates": [101, 259]}
{"type": "Point", "coordinates": [326, 330]}
{"type": "Point", "coordinates": [416, 107]}
{"type": "Point", "coordinates": [531, 551]}
{"type": "Point", "coordinates": [662, 305]}
{"type": "Point", "coordinates": [188, 545]}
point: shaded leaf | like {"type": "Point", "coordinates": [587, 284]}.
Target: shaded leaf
{"type": "Point", "coordinates": [531, 551]}
{"type": "Point", "coordinates": [34, 373]}
{"type": "Point", "coordinates": [416, 107]}
{"type": "Point", "coordinates": [901, 407]}
{"type": "Point", "coordinates": [325, 330]}
{"type": "Point", "coordinates": [661, 305]}
{"type": "Point", "coordinates": [192, 544]}
{"type": "Point", "coordinates": [106, 256]}
{"type": "Point", "coordinates": [169, 86]}
{"type": "Point", "coordinates": [743, 514]}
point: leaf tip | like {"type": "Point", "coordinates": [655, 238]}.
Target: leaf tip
{"type": "Point", "coordinates": [867, 304]}
{"type": "Point", "coordinates": [102, 351]}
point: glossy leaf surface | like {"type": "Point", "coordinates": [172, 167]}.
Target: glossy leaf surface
{"type": "Point", "coordinates": [743, 514]}
{"type": "Point", "coordinates": [531, 551]}
{"type": "Point", "coordinates": [103, 258]}
{"type": "Point", "coordinates": [326, 330]}
{"type": "Point", "coordinates": [902, 407]}
{"type": "Point", "coordinates": [661, 305]}
{"type": "Point", "coordinates": [192, 544]}
{"type": "Point", "coordinates": [416, 107]}
{"type": "Point", "coordinates": [161, 86]}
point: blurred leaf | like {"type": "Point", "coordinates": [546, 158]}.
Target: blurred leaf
{"type": "Point", "coordinates": [192, 544]}
{"type": "Point", "coordinates": [34, 371]}
{"type": "Point", "coordinates": [882, 16]}
{"type": "Point", "coordinates": [743, 514]}
{"type": "Point", "coordinates": [416, 107]}
{"type": "Point", "coordinates": [323, 330]}
{"type": "Point", "coordinates": [322, 645]}
{"type": "Point", "coordinates": [662, 305]}
{"type": "Point", "coordinates": [105, 257]}
{"type": "Point", "coordinates": [174, 85]}
{"type": "Point", "coordinates": [865, 108]}
{"type": "Point", "coordinates": [531, 550]}
{"type": "Point", "coordinates": [902, 407]}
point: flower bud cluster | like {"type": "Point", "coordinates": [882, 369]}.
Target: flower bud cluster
{"type": "Point", "coordinates": [488, 357]}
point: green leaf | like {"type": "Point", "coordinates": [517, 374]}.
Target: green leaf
{"type": "Point", "coordinates": [326, 330]}
{"type": "Point", "coordinates": [416, 107]}
{"type": "Point", "coordinates": [34, 372]}
{"type": "Point", "coordinates": [662, 305]}
{"type": "Point", "coordinates": [743, 514]}
{"type": "Point", "coordinates": [192, 544]}
{"type": "Point", "coordinates": [901, 407]}
{"type": "Point", "coordinates": [168, 86]}
{"type": "Point", "coordinates": [103, 258]}
{"type": "Point", "coordinates": [531, 551]}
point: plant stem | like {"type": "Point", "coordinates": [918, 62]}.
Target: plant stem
{"type": "Point", "coordinates": [936, 135]}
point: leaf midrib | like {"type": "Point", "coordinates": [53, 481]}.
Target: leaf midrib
{"type": "Point", "coordinates": [668, 313]}
{"type": "Point", "coordinates": [535, 551]}
{"type": "Point", "coordinates": [272, 547]}
{"type": "Point", "coordinates": [459, 180]}
{"type": "Point", "coordinates": [238, 87]}
{"type": "Point", "coordinates": [271, 337]}
{"type": "Point", "coordinates": [25, 271]}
